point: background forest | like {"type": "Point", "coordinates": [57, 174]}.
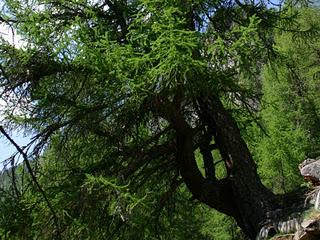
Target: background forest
{"type": "Point", "coordinates": [81, 86]}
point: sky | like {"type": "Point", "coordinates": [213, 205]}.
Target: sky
{"type": "Point", "coordinates": [7, 149]}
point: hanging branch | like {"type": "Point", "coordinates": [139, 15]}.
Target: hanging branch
{"type": "Point", "coordinates": [33, 177]}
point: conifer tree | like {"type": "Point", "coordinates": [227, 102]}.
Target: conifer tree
{"type": "Point", "coordinates": [122, 95]}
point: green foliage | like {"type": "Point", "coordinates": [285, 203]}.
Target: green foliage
{"type": "Point", "coordinates": [290, 107]}
{"type": "Point", "coordinates": [95, 81]}
{"type": "Point", "coordinates": [83, 202]}
{"type": "Point", "coordinates": [220, 226]}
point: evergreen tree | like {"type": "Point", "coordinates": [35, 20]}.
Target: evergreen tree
{"type": "Point", "coordinates": [290, 106]}
{"type": "Point", "coordinates": [120, 95]}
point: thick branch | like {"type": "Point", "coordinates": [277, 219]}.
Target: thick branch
{"type": "Point", "coordinates": [253, 200]}
{"type": "Point", "coordinates": [205, 149]}
{"type": "Point", "coordinates": [217, 194]}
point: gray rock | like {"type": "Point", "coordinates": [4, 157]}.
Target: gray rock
{"type": "Point", "coordinates": [307, 162]}
{"type": "Point", "coordinates": [310, 231]}
{"type": "Point", "coordinates": [306, 223]}
{"type": "Point", "coordinates": [310, 170]}
{"type": "Point", "coordinates": [301, 235]}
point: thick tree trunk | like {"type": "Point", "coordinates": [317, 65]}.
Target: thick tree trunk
{"type": "Point", "coordinates": [241, 194]}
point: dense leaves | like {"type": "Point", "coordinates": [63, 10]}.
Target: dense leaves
{"type": "Point", "coordinates": [290, 108]}
{"type": "Point", "coordinates": [135, 109]}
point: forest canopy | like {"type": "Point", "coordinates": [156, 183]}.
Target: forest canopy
{"type": "Point", "coordinates": [144, 116]}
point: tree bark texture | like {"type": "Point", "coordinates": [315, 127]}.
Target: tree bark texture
{"type": "Point", "coordinates": [241, 194]}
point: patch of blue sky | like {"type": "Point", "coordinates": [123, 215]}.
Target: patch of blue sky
{"type": "Point", "coordinates": [7, 149]}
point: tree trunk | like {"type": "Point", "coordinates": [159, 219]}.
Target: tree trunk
{"type": "Point", "coordinates": [241, 194]}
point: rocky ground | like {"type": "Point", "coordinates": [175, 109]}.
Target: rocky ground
{"type": "Point", "coordinates": [303, 223]}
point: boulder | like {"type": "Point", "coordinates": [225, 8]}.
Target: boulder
{"type": "Point", "coordinates": [310, 170]}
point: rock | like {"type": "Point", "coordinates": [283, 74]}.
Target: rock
{"type": "Point", "coordinates": [310, 230]}
{"type": "Point", "coordinates": [306, 223]}
{"type": "Point", "coordinates": [301, 235]}
{"type": "Point", "coordinates": [286, 237]}
{"type": "Point", "coordinates": [266, 232]}
{"type": "Point", "coordinates": [288, 226]}
{"type": "Point", "coordinates": [313, 227]}
{"type": "Point", "coordinates": [310, 170]}
{"type": "Point", "coordinates": [306, 162]}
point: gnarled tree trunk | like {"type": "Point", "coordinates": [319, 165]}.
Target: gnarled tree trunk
{"type": "Point", "coordinates": [241, 194]}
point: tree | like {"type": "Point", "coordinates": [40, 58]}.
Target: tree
{"type": "Point", "coordinates": [131, 89]}
{"type": "Point", "coordinates": [289, 108]}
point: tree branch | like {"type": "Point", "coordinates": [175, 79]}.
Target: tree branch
{"type": "Point", "coordinates": [33, 177]}
{"type": "Point", "coordinates": [205, 150]}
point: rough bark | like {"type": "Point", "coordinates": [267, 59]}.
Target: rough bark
{"type": "Point", "coordinates": [241, 194]}
{"type": "Point", "coordinates": [208, 161]}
